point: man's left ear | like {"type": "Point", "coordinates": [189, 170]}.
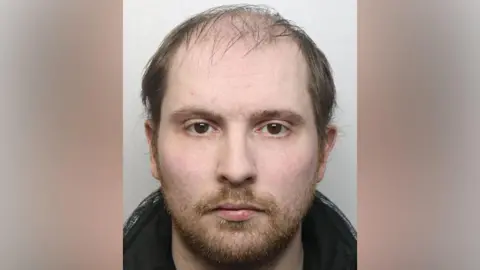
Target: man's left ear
{"type": "Point", "coordinates": [328, 145]}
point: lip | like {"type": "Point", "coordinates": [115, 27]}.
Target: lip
{"type": "Point", "coordinates": [236, 212]}
{"type": "Point", "coordinates": [237, 207]}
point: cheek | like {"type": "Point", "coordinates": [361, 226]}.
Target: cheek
{"type": "Point", "coordinates": [288, 173]}
{"type": "Point", "coordinates": [185, 170]}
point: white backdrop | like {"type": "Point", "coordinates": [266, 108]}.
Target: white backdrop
{"type": "Point", "coordinates": [331, 23]}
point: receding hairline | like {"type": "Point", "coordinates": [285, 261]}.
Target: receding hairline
{"type": "Point", "coordinates": [192, 30]}
{"type": "Point", "coordinates": [228, 24]}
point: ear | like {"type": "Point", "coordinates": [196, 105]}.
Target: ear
{"type": "Point", "coordinates": [327, 149]}
{"type": "Point", "coordinates": [151, 139]}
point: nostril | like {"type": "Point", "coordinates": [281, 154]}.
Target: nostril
{"type": "Point", "coordinates": [237, 180]}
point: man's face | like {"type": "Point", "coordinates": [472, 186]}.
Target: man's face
{"type": "Point", "coordinates": [237, 146]}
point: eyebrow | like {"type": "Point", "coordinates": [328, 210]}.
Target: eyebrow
{"type": "Point", "coordinates": [287, 115]}
{"type": "Point", "coordinates": [187, 113]}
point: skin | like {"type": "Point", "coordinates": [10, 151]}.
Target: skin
{"type": "Point", "coordinates": [238, 128]}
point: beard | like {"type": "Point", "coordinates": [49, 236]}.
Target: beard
{"type": "Point", "coordinates": [223, 244]}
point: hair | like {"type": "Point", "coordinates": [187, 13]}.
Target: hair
{"type": "Point", "coordinates": [263, 25]}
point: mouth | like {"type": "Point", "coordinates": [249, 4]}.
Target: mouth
{"type": "Point", "coordinates": [237, 212]}
{"type": "Point", "coordinates": [237, 207]}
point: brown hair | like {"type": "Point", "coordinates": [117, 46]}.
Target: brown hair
{"type": "Point", "coordinates": [256, 21]}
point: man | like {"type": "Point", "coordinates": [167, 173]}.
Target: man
{"type": "Point", "coordinates": [239, 103]}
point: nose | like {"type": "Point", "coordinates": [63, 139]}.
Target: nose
{"type": "Point", "coordinates": [236, 161]}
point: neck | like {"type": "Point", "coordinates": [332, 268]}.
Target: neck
{"type": "Point", "coordinates": [184, 259]}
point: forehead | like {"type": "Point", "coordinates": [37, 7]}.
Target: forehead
{"type": "Point", "coordinates": [231, 77]}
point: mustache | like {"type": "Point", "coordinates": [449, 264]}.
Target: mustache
{"type": "Point", "coordinates": [236, 196]}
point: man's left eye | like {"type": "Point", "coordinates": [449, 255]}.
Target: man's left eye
{"type": "Point", "coordinates": [274, 129]}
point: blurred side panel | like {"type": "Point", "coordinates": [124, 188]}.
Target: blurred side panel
{"type": "Point", "coordinates": [418, 132]}
{"type": "Point", "coordinates": [61, 135]}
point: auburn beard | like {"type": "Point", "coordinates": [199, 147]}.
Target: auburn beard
{"type": "Point", "coordinates": [253, 244]}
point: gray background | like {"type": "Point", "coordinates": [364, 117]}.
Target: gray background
{"type": "Point", "coordinates": [333, 26]}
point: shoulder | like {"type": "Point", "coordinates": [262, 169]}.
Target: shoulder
{"type": "Point", "coordinates": [141, 215]}
{"type": "Point", "coordinates": [147, 236]}
{"type": "Point", "coordinates": [329, 236]}
{"type": "Point", "coordinates": [336, 216]}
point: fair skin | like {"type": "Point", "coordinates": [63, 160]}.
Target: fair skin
{"type": "Point", "coordinates": [239, 124]}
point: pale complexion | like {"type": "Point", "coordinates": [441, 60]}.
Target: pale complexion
{"type": "Point", "coordinates": [238, 122]}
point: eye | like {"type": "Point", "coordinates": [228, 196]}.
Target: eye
{"type": "Point", "coordinates": [199, 128]}
{"type": "Point", "coordinates": [275, 129]}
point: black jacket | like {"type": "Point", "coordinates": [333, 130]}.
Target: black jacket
{"type": "Point", "coordinates": [329, 240]}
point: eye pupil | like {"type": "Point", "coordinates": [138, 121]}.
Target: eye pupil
{"type": "Point", "coordinates": [200, 128]}
{"type": "Point", "coordinates": [274, 128]}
